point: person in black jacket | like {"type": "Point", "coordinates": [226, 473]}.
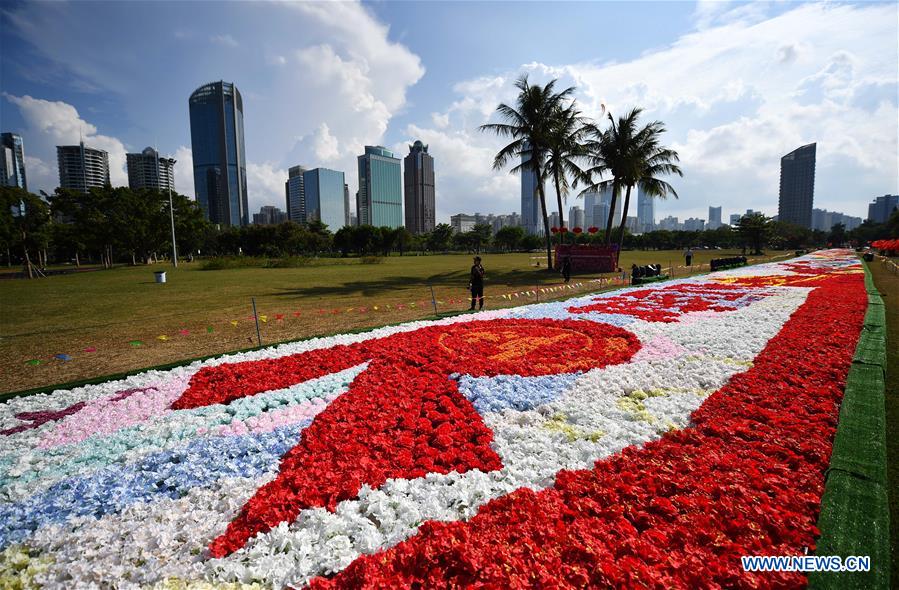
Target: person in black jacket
{"type": "Point", "coordinates": [566, 268]}
{"type": "Point", "coordinates": [476, 284]}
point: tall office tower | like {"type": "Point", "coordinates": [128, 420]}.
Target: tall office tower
{"type": "Point", "coordinates": [576, 217]}
{"type": "Point", "coordinates": [797, 186]}
{"type": "Point", "coordinates": [714, 218]}
{"type": "Point", "coordinates": [605, 201]}
{"type": "Point", "coordinates": [531, 214]}
{"type": "Point", "coordinates": [220, 162]}
{"type": "Point", "coordinates": [418, 170]}
{"type": "Point", "coordinates": [882, 207]}
{"type": "Point", "coordinates": [269, 215]}
{"type": "Point", "coordinates": [82, 168]}
{"type": "Point", "coordinates": [645, 211]}
{"type": "Point", "coordinates": [325, 197]}
{"type": "Point", "coordinates": [379, 201]}
{"type": "Point", "coordinates": [554, 219]}
{"type": "Point", "coordinates": [12, 161]}
{"type": "Point", "coordinates": [591, 199]}
{"type": "Point", "coordinates": [294, 194]}
{"type": "Point", "coordinates": [735, 218]}
{"type": "Point", "coordinates": [694, 224]}
{"type": "Point", "coordinates": [148, 170]}
{"type": "Point", "coordinates": [349, 216]}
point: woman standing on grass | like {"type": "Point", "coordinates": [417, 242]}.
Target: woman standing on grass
{"type": "Point", "coordinates": [476, 284]}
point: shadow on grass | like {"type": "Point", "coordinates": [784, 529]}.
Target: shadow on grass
{"type": "Point", "coordinates": [455, 279]}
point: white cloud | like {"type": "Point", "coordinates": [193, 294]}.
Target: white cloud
{"type": "Point", "coordinates": [184, 171]}
{"type": "Point", "coordinates": [265, 186]}
{"type": "Point", "coordinates": [52, 123]}
{"type": "Point", "coordinates": [226, 40]}
{"type": "Point", "coordinates": [326, 145]}
{"type": "Point", "coordinates": [736, 95]}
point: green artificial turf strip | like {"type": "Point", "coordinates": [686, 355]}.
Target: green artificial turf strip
{"type": "Point", "coordinates": [855, 517]}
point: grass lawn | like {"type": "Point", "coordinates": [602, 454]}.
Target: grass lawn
{"type": "Point", "coordinates": [93, 317]}
{"type": "Point", "coordinates": [887, 282]}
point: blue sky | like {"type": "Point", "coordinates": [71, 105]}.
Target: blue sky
{"type": "Point", "coordinates": [737, 84]}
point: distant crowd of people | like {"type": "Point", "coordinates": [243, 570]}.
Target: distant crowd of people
{"type": "Point", "coordinates": [646, 271]}
{"type": "Point", "coordinates": [717, 263]}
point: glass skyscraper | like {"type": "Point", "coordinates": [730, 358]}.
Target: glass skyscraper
{"type": "Point", "coordinates": [797, 186]}
{"type": "Point", "coordinates": [325, 197]}
{"type": "Point", "coordinates": [645, 211]}
{"type": "Point", "coordinates": [295, 194]}
{"type": "Point", "coordinates": [12, 166]}
{"type": "Point", "coordinates": [419, 187]}
{"type": "Point", "coordinates": [380, 197]}
{"type": "Point", "coordinates": [531, 215]}
{"type": "Point", "coordinates": [217, 143]}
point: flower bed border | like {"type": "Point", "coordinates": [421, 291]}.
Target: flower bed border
{"type": "Point", "coordinates": [855, 518]}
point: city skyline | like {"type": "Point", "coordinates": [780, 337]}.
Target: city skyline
{"type": "Point", "coordinates": [729, 131]}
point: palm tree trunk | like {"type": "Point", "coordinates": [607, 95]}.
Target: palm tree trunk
{"type": "Point", "coordinates": [627, 202]}
{"type": "Point", "coordinates": [559, 199]}
{"type": "Point", "coordinates": [609, 221]}
{"type": "Point", "coordinates": [546, 232]}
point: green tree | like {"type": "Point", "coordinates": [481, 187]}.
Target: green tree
{"type": "Point", "coordinates": [404, 239]}
{"type": "Point", "coordinates": [633, 156]}
{"type": "Point", "coordinates": [480, 236]}
{"type": "Point", "coordinates": [565, 149]}
{"type": "Point", "coordinates": [789, 236]}
{"type": "Point", "coordinates": [754, 230]}
{"type": "Point", "coordinates": [28, 229]}
{"type": "Point", "coordinates": [529, 124]}
{"type": "Point", "coordinates": [440, 238]}
{"type": "Point", "coordinates": [837, 235]}
{"type": "Point", "coordinates": [509, 237]}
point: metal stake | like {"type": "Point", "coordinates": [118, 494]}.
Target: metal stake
{"type": "Point", "coordinates": [433, 298]}
{"type": "Point", "coordinates": [256, 317]}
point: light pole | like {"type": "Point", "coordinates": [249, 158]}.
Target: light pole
{"type": "Point", "coordinates": [171, 163]}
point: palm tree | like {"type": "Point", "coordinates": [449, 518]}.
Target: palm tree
{"type": "Point", "coordinates": [633, 157]}
{"type": "Point", "coordinates": [565, 149]}
{"type": "Point", "coordinates": [529, 124]}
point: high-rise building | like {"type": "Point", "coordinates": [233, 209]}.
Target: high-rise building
{"type": "Point", "coordinates": [714, 217]}
{"type": "Point", "coordinates": [12, 161]}
{"type": "Point", "coordinates": [670, 223]}
{"type": "Point", "coordinates": [220, 162]}
{"type": "Point", "coordinates": [462, 222]}
{"type": "Point", "coordinates": [325, 198]}
{"type": "Point", "coordinates": [631, 223]}
{"type": "Point", "coordinates": [295, 195]}
{"type": "Point", "coordinates": [269, 215]}
{"type": "Point", "coordinates": [379, 201]}
{"type": "Point", "coordinates": [576, 217]}
{"type": "Point", "coordinates": [645, 211]}
{"type": "Point", "coordinates": [797, 186]}
{"type": "Point", "coordinates": [591, 199]}
{"type": "Point", "coordinates": [882, 207]}
{"type": "Point", "coordinates": [350, 217]}
{"type": "Point", "coordinates": [418, 173]}
{"type": "Point", "coordinates": [694, 224]}
{"type": "Point", "coordinates": [605, 205]}
{"type": "Point", "coordinates": [148, 170]}
{"type": "Point", "coordinates": [82, 168]}
{"type": "Point", "coordinates": [531, 214]}
{"type": "Point", "coordinates": [824, 220]}
{"type": "Point", "coordinates": [735, 219]}
{"type": "Point", "coordinates": [554, 219]}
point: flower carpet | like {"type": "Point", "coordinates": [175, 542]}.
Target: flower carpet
{"type": "Point", "coordinates": [646, 437]}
